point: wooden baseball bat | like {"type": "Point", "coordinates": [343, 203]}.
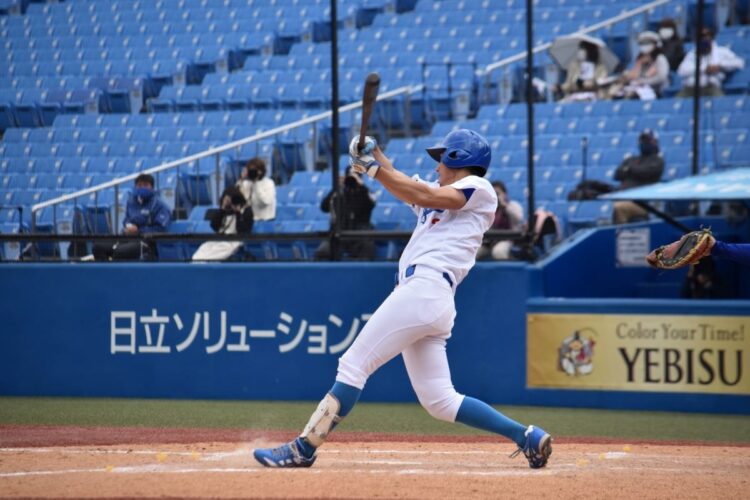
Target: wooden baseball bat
{"type": "Point", "coordinates": [370, 93]}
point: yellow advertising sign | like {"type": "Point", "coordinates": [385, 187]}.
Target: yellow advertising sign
{"type": "Point", "coordinates": [709, 354]}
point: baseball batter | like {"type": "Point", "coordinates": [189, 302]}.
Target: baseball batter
{"type": "Point", "coordinates": [416, 319]}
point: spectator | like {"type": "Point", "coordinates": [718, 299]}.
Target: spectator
{"type": "Point", "coordinates": [649, 74]}
{"type": "Point", "coordinates": [508, 216]}
{"type": "Point", "coordinates": [584, 75]}
{"type": "Point", "coordinates": [356, 208]}
{"type": "Point", "coordinates": [145, 213]}
{"type": "Point", "coordinates": [258, 189]}
{"type": "Point", "coordinates": [671, 44]}
{"type": "Point", "coordinates": [636, 171]}
{"type": "Point", "coordinates": [704, 282]}
{"type": "Point", "coordinates": [234, 216]}
{"type": "Point", "coordinates": [715, 62]}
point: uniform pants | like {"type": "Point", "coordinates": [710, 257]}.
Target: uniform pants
{"type": "Point", "coordinates": [415, 320]}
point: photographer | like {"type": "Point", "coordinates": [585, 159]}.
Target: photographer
{"type": "Point", "coordinates": [234, 217]}
{"type": "Point", "coordinates": [356, 208]}
{"type": "Point", "coordinates": [258, 190]}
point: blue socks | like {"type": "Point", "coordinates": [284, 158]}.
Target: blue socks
{"type": "Point", "coordinates": [477, 414]}
{"type": "Point", "coordinates": [472, 412]}
{"type": "Point", "coordinates": [347, 396]}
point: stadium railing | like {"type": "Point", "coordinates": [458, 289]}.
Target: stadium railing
{"type": "Point", "coordinates": [504, 64]}
{"type": "Point", "coordinates": [215, 152]}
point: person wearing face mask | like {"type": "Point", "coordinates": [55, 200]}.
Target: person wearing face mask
{"type": "Point", "coordinates": [356, 207]}
{"type": "Point", "coordinates": [635, 171]}
{"type": "Point", "coordinates": [715, 62]}
{"type": "Point", "coordinates": [145, 213]}
{"type": "Point", "coordinates": [258, 189]}
{"type": "Point", "coordinates": [671, 44]}
{"type": "Point", "coordinates": [234, 216]}
{"type": "Point", "coordinates": [649, 74]}
{"type": "Point", "coordinates": [583, 75]}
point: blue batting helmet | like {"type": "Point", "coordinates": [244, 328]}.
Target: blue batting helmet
{"type": "Point", "coordinates": [462, 148]}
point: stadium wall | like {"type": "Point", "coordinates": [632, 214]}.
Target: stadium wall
{"type": "Point", "coordinates": [275, 331]}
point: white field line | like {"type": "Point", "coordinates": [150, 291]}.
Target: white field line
{"type": "Point", "coordinates": [164, 469]}
{"type": "Point", "coordinates": [370, 462]}
{"type": "Point", "coordinates": [229, 454]}
{"type": "Point", "coordinates": [218, 456]}
{"type": "Point", "coordinates": [64, 450]}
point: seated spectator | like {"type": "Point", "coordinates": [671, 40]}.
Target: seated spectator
{"type": "Point", "coordinates": [704, 282]}
{"type": "Point", "coordinates": [356, 208]}
{"type": "Point", "coordinates": [508, 216]}
{"type": "Point", "coordinates": [649, 74]}
{"type": "Point", "coordinates": [233, 217]}
{"type": "Point", "coordinates": [584, 75]}
{"type": "Point", "coordinates": [145, 213]}
{"type": "Point", "coordinates": [671, 43]}
{"type": "Point", "coordinates": [715, 63]}
{"type": "Point", "coordinates": [547, 234]}
{"type": "Point", "coordinates": [647, 168]}
{"type": "Point", "coordinates": [258, 189]}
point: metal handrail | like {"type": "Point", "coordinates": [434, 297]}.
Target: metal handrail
{"type": "Point", "coordinates": [351, 235]}
{"type": "Point", "coordinates": [490, 68]}
{"type": "Point", "coordinates": [407, 89]}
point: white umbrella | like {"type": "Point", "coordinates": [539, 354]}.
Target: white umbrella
{"type": "Point", "coordinates": [563, 50]}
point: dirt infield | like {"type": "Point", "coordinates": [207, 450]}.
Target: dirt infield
{"type": "Point", "coordinates": [69, 462]}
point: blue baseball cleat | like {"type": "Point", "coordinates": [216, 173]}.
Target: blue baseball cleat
{"type": "Point", "coordinates": [288, 455]}
{"type": "Point", "coordinates": [538, 447]}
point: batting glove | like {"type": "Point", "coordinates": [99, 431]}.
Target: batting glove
{"type": "Point", "coordinates": [365, 164]}
{"type": "Point", "coordinates": [368, 148]}
{"type": "Point", "coordinates": [361, 160]}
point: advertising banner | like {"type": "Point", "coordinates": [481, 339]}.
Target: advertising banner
{"type": "Point", "coordinates": [655, 353]}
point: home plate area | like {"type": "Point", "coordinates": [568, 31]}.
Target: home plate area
{"type": "Point", "coordinates": [375, 470]}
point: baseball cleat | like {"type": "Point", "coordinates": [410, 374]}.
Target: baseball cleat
{"type": "Point", "coordinates": [538, 447]}
{"type": "Point", "coordinates": [288, 455]}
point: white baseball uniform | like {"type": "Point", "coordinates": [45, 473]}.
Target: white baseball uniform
{"type": "Point", "coordinates": [417, 317]}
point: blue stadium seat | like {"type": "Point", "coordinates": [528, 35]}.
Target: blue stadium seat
{"type": "Point", "coordinates": [27, 110]}
{"type": "Point", "coordinates": [194, 189]}
{"type": "Point", "coordinates": [310, 195]}
{"type": "Point", "coordinates": [98, 219]}
{"type": "Point", "coordinates": [165, 101]}
{"type": "Point", "coordinates": [46, 181]}
{"type": "Point", "coordinates": [188, 98]}
{"type": "Point", "coordinates": [176, 250]}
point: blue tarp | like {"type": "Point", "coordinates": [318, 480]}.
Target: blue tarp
{"type": "Point", "coordinates": [727, 185]}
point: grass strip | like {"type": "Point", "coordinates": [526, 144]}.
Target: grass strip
{"type": "Point", "coordinates": [366, 417]}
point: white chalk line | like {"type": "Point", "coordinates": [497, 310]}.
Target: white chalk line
{"type": "Point", "coordinates": [165, 469]}
{"type": "Point", "coordinates": [417, 468]}
{"type": "Point", "coordinates": [247, 452]}
{"type": "Point", "coordinates": [372, 462]}
{"type": "Point", "coordinates": [64, 450]}
{"type": "Point", "coordinates": [229, 454]}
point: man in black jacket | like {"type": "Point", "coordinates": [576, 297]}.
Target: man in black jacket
{"type": "Point", "coordinates": [636, 171]}
{"type": "Point", "coordinates": [356, 208]}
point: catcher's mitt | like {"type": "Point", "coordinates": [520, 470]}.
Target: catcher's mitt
{"type": "Point", "coordinates": [686, 251]}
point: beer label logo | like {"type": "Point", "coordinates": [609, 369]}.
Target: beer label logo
{"type": "Point", "coordinates": [576, 353]}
